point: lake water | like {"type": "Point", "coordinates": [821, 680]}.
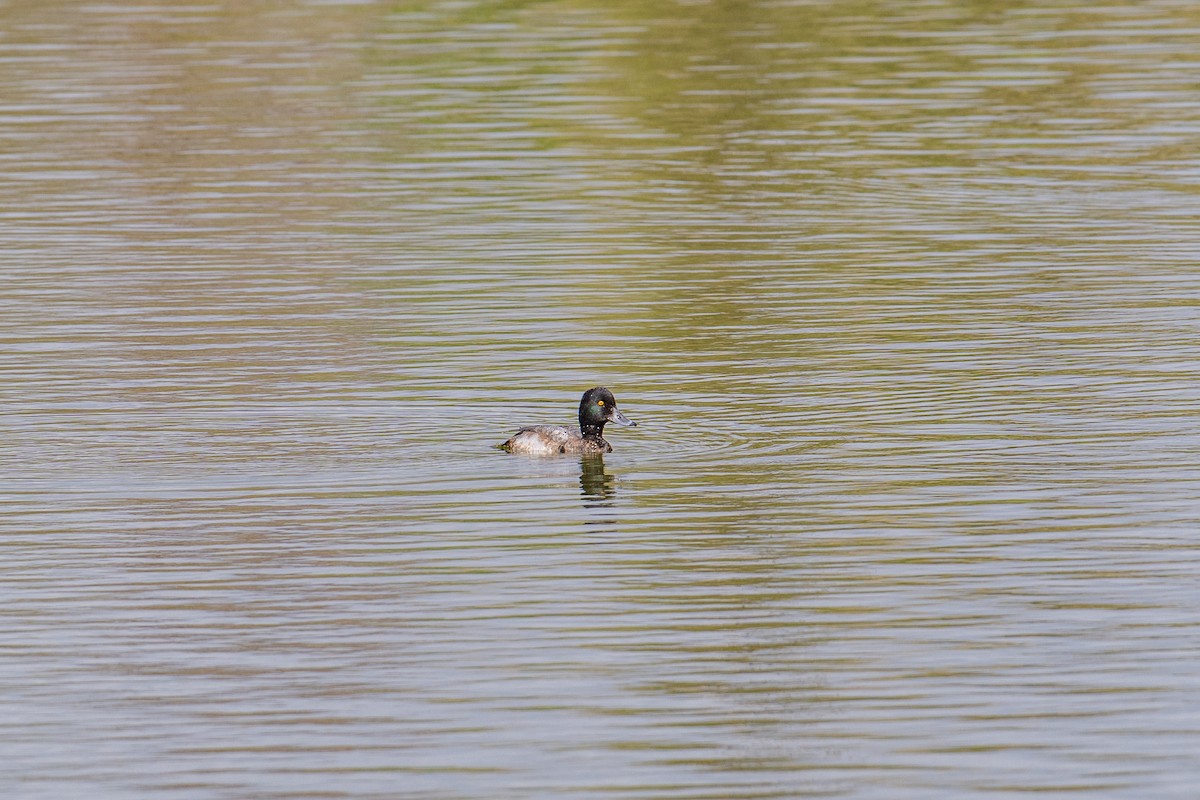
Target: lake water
{"type": "Point", "coordinates": [904, 297]}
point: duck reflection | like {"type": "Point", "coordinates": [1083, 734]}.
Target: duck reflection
{"type": "Point", "coordinates": [599, 486]}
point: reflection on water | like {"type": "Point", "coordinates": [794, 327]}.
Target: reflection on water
{"type": "Point", "coordinates": [906, 290]}
{"type": "Point", "coordinates": [597, 483]}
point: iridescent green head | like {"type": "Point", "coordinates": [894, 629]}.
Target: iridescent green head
{"type": "Point", "coordinates": [597, 407]}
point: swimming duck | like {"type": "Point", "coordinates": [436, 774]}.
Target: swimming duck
{"type": "Point", "coordinates": [597, 407]}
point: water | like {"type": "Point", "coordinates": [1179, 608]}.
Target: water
{"type": "Point", "coordinates": [902, 297]}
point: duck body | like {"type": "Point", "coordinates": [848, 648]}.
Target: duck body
{"type": "Point", "coordinates": [596, 408]}
{"type": "Point", "coordinates": [549, 440]}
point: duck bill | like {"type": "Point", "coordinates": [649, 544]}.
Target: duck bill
{"type": "Point", "coordinates": [619, 418]}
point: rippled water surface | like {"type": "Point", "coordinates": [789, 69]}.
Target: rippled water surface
{"type": "Point", "coordinates": [903, 296]}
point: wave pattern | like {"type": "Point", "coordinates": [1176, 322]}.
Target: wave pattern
{"type": "Point", "coordinates": [902, 297]}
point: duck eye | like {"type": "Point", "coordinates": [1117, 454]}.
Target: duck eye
{"type": "Point", "coordinates": [599, 402]}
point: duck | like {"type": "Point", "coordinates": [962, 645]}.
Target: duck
{"type": "Point", "coordinates": [596, 408]}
